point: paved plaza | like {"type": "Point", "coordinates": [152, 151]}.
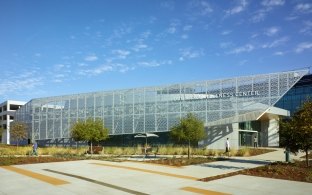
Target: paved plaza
{"type": "Point", "coordinates": [133, 177]}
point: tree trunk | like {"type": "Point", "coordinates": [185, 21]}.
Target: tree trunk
{"type": "Point", "coordinates": [188, 150]}
{"type": "Point", "coordinates": [307, 157]}
{"type": "Point", "coordinates": [91, 148]}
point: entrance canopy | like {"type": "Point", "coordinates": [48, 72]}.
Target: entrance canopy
{"type": "Point", "coordinates": [145, 135]}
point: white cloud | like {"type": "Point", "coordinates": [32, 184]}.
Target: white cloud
{"type": "Point", "coordinates": [225, 45]}
{"type": "Point", "coordinates": [173, 26]}
{"type": "Point", "coordinates": [124, 68]}
{"type": "Point", "coordinates": [139, 47]}
{"type": "Point", "coordinates": [243, 62]}
{"type": "Point", "coordinates": [91, 58]}
{"type": "Point", "coordinates": [205, 8]}
{"type": "Point", "coordinates": [226, 32]}
{"type": "Point", "coordinates": [171, 30]}
{"type": "Point", "coordinates": [272, 31]}
{"type": "Point", "coordinates": [270, 3]}
{"type": "Point", "coordinates": [200, 7]}
{"type": "Point", "coordinates": [96, 71]}
{"type": "Point", "coordinates": [237, 9]}
{"type": "Point", "coordinates": [268, 6]}
{"type": "Point", "coordinates": [20, 83]}
{"type": "Point", "coordinates": [245, 48]}
{"type": "Point", "coordinates": [304, 8]}
{"type": "Point", "coordinates": [187, 27]}
{"type": "Point", "coordinates": [184, 36]}
{"type": "Point", "coordinates": [122, 54]}
{"type": "Point", "coordinates": [58, 78]}
{"type": "Point", "coordinates": [168, 5]}
{"type": "Point", "coordinates": [303, 46]}
{"type": "Point", "coordinates": [276, 43]}
{"type": "Point", "coordinates": [38, 55]}
{"type": "Point", "coordinates": [188, 53]}
{"type": "Point", "coordinates": [146, 34]}
{"type": "Point", "coordinates": [307, 29]}
{"type": "Point", "coordinates": [259, 15]}
{"type": "Point", "coordinates": [279, 53]}
{"type": "Point", "coordinates": [154, 63]}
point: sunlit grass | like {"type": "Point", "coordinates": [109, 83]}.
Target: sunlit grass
{"type": "Point", "coordinates": [6, 150]}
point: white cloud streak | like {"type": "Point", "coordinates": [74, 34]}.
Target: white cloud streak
{"type": "Point", "coordinates": [268, 6]}
{"type": "Point", "coordinates": [270, 3]}
{"type": "Point", "coordinates": [154, 63]}
{"type": "Point", "coordinates": [96, 71]}
{"type": "Point", "coordinates": [304, 8]}
{"type": "Point", "coordinates": [272, 31]}
{"type": "Point", "coordinates": [121, 54]}
{"type": "Point", "coordinates": [188, 53]}
{"type": "Point", "coordinates": [91, 58]}
{"type": "Point", "coordinates": [20, 83]}
{"type": "Point", "coordinates": [242, 49]}
{"type": "Point", "coordinates": [307, 29]}
{"type": "Point", "coordinates": [303, 46]}
{"type": "Point", "coordinates": [237, 9]}
{"type": "Point", "coordinates": [276, 43]}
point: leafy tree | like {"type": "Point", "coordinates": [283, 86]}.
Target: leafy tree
{"type": "Point", "coordinates": [296, 133]}
{"type": "Point", "coordinates": [189, 129]}
{"type": "Point", "coordinates": [18, 131]}
{"type": "Point", "coordinates": [89, 130]}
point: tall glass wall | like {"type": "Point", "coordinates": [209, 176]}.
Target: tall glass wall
{"type": "Point", "coordinates": [157, 109]}
{"type": "Point", "coordinates": [295, 97]}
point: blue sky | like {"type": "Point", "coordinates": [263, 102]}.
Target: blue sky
{"type": "Point", "coordinates": [59, 47]}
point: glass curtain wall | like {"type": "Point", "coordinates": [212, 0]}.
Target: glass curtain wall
{"type": "Point", "coordinates": [157, 109]}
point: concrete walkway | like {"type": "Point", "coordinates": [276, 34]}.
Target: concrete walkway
{"type": "Point", "coordinates": [104, 177]}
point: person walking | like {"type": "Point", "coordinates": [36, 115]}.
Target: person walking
{"type": "Point", "coordinates": [35, 147]}
{"type": "Point", "coordinates": [255, 142]}
{"type": "Point", "coordinates": [227, 147]}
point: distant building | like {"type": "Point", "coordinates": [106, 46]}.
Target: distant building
{"type": "Point", "coordinates": [7, 112]}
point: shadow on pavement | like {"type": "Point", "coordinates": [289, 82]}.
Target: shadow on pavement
{"type": "Point", "coordinates": [256, 162]}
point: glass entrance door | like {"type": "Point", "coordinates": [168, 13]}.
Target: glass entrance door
{"type": "Point", "coordinates": [246, 138]}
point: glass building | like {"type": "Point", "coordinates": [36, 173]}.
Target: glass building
{"type": "Point", "coordinates": [239, 108]}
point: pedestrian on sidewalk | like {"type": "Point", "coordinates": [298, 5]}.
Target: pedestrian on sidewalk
{"type": "Point", "coordinates": [35, 148]}
{"type": "Point", "coordinates": [227, 147]}
{"type": "Point", "coordinates": [255, 142]}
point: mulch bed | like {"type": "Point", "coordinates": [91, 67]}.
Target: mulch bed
{"type": "Point", "coordinates": [5, 161]}
{"type": "Point", "coordinates": [181, 161]}
{"type": "Point", "coordinates": [289, 171]}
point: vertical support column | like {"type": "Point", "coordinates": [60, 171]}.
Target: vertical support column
{"type": "Point", "coordinates": [8, 135]}
{"type": "Point", "coordinates": [206, 102]}
{"type": "Point", "coordinates": [94, 99]}
{"type": "Point", "coordinates": [180, 101]}
{"type": "Point", "coordinates": [133, 130]}
{"type": "Point", "coordinates": [32, 124]}
{"type": "Point", "coordinates": [77, 104]}
{"type": "Point", "coordinates": [144, 122]}
{"type": "Point", "coordinates": [113, 114]}
{"type": "Point", "coordinates": [61, 105]}
{"type": "Point", "coordinates": [85, 107]}
{"type": "Point", "coordinates": [155, 111]}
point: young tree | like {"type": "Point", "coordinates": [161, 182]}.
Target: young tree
{"type": "Point", "coordinates": [18, 131]}
{"type": "Point", "coordinates": [189, 129]}
{"type": "Point", "coordinates": [296, 133]}
{"type": "Point", "coordinates": [89, 130]}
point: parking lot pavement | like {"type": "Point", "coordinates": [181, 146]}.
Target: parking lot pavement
{"type": "Point", "coordinates": [103, 177]}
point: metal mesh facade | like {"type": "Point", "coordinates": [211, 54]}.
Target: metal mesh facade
{"type": "Point", "coordinates": [157, 109]}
